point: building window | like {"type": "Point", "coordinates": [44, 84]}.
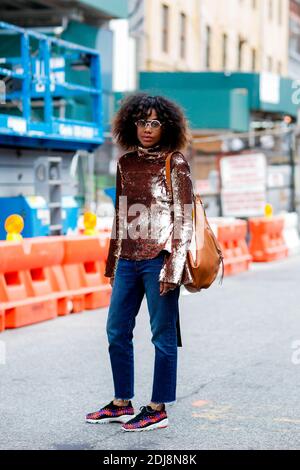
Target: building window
{"type": "Point", "coordinates": [294, 33]}
{"type": "Point", "coordinates": [254, 4]}
{"type": "Point", "coordinates": [182, 35]}
{"type": "Point", "coordinates": [224, 58]}
{"type": "Point", "coordinates": [207, 46]}
{"type": "Point", "coordinates": [165, 28]}
{"type": "Point", "coordinates": [270, 64]}
{"type": "Point", "coordinates": [279, 12]}
{"type": "Point", "coordinates": [279, 68]}
{"type": "Point", "coordinates": [270, 9]}
{"type": "Point", "coordinates": [240, 52]}
{"type": "Point", "coordinates": [253, 60]}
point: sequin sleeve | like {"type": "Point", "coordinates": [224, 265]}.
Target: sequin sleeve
{"type": "Point", "coordinates": [182, 188]}
{"type": "Point", "coordinates": [115, 240]}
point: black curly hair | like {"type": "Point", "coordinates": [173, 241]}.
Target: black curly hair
{"type": "Point", "coordinates": [175, 133]}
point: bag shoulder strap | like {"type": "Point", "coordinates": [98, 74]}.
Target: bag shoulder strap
{"type": "Point", "coordinates": [168, 176]}
{"type": "Point", "coordinates": [168, 171]}
{"type": "Point", "coordinates": [168, 168]}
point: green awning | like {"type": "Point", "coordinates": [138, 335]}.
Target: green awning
{"type": "Point", "coordinates": [110, 8]}
{"type": "Point", "coordinates": [217, 100]}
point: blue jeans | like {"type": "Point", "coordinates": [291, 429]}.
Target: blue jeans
{"type": "Point", "coordinates": [134, 278]}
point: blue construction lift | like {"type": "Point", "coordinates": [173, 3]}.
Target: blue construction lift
{"type": "Point", "coordinates": [52, 92]}
{"type": "Point", "coordinates": [50, 118]}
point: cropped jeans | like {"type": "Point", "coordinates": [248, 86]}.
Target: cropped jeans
{"type": "Point", "coordinates": [133, 279]}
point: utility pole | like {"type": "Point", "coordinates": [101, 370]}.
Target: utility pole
{"type": "Point", "coordinates": [292, 152]}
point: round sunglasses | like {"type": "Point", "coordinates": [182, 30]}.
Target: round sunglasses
{"type": "Point", "coordinates": [154, 123]}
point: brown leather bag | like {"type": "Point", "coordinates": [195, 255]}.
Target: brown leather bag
{"type": "Point", "coordinates": [205, 267]}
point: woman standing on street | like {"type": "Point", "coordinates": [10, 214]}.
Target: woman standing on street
{"type": "Point", "coordinates": [147, 253]}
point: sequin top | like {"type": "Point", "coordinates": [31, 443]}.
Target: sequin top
{"type": "Point", "coordinates": [147, 219]}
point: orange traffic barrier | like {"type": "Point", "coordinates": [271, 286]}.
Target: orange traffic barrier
{"type": "Point", "coordinates": [83, 266]}
{"type": "Point", "coordinates": [232, 238]}
{"type": "Point", "coordinates": [2, 320]}
{"type": "Point", "coordinates": [266, 238]}
{"type": "Point", "coordinates": [43, 277]}
{"type": "Point", "coordinates": [26, 294]}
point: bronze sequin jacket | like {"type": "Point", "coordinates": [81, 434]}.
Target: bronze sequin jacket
{"type": "Point", "coordinates": [141, 188]}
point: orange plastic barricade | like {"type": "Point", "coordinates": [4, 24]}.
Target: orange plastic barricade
{"type": "Point", "coordinates": [2, 320]}
{"type": "Point", "coordinates": [83, 266]}
{"type": "Point", "coordinates": [26, 294]}
{"type": "Point", "coordinates": [232, 238]}
{"type": "Point", "coordinates": [266, 238]}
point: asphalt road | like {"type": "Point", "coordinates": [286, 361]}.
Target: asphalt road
{"type": "Point", "coordinates": [238, 372]}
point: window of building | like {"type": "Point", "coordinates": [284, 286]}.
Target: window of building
{"type": "Point", "coordinates": [165, 28]}
{"type": "Point", "coordinates": [182, 35]}
{"type": "Point", "coordinates": [279, 68]}
{"type": "Point", "coordinates": [270, 9]}
{"type": "Point", "coordinates": [294, 37]}
{"type": "Point", "coordinates": [224, 55]}
{"type": "Point", "coordinates": [254, 4]}
{"type": "Point", "coordinates": [253, 60]}
{"type": "Point", "coordinates": [207, 46]}
{"type": "Point", "coordinates": [279, 11]}
{"type": "Point", "coordinates": [240, 52]}
{"type": "Point", "coordinates": [270, 64]}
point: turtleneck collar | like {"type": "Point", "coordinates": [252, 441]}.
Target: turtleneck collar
{"type": "Point", "coordinates": [151, 153]}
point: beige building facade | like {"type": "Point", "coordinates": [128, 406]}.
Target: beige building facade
{"type": "Point", "coordinates": [171, 35]}
{"type": "Point", "coordinates": [215, 35]}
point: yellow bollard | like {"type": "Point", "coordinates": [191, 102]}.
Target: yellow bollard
{"type": "Point", "coordinates": [268, 210]}
{"type": "Point", "coordinates": [90, 222]}
{"type": "Point", "coordinates": [14, 225]}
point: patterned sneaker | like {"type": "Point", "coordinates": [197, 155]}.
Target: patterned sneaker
{"type": "Point", "coordinates": [111, 413]}
{"type": "Point", "coordinates": [147, 420]}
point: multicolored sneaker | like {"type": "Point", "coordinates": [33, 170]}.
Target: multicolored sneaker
{"type": "Point", "coordinates": [147, 420]}
{"type": "Point", "coordinates": [111, 413]}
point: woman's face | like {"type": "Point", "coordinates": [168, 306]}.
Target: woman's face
{"type": "Point", "coordinates": [149, 136]}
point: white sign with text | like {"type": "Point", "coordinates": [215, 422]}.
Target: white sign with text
{"type": "Point", "coordinates": [243, 192]}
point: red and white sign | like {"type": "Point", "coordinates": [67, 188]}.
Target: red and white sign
{"type": "Point", "coordinates": [243, 191]}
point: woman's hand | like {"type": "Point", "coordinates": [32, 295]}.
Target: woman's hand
{"type": "Point", "coordinates": [164, 287]}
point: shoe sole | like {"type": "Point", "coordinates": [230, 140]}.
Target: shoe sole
{"type": "Point", "coordinates": [117, 419]}
{"type": "Point", "coordinates": [162, 424]}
